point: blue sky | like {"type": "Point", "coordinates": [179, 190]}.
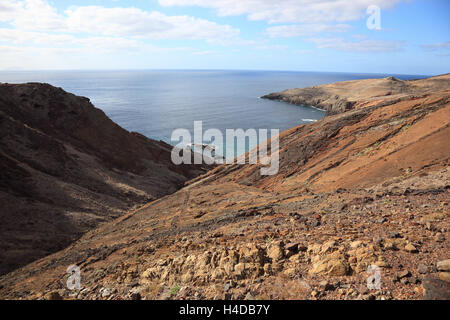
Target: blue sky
{"type": "Point", "coordinates": [304, 35]}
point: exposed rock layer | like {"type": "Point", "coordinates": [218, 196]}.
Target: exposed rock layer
{"type": "Point", "coordinates": [366, 187]}
{"type": "Point", "coordinates": [343, 96]}
{"type": "Point", "coordinates": [65, 167]}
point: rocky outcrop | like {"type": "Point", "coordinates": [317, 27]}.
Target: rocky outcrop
{"type": "Point", "coordinates": [65, 167]}
{"type": "Point", "coordinates": [359, 194]}
{"type": "Point", "coordinates": [343, 96]}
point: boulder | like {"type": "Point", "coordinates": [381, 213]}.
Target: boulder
{"type": "Point", "coordinates": [276, 252]}
{"type": "Point", "coordinates": [443, 265]}
{"type": "Point", "coordinates": [334, 264]}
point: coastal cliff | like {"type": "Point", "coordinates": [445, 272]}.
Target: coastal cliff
{"type": "Point", "coordinates": [367, 186]}
{"type": "Point", "coordinates": [343, 96]}
{"type": "Point", "coordinates": [65, 168]}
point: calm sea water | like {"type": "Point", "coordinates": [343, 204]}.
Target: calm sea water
{"type": "Point", "coordinates": [155, 103]}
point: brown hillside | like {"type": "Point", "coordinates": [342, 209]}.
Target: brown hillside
{"type": "Point", "coordinates": [65, 167]}
{"type": "Point", "coordinates": [342, 96]}
{"type": "Point", "coordinates": [369, 186]}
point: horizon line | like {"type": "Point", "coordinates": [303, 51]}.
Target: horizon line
{"type": "Point", "coordinates": [200, 69]}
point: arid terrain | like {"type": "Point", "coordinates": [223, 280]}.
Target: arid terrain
{"type": "Point", "coordinates": [342, 96]}
{"type": "Point", "coordinates": [65, 168]}
{"type": "Point", "coordinates": [367, 185]}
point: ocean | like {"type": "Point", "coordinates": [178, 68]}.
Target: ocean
{"type": "Point", "coordinates": [156, 102]}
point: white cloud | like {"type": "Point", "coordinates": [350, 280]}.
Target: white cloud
{"type": "Point", "coordinates": [358, 46]}
{"type": "Point", "coordinates": [101, 44]}
{"type": "Point", "coordinates": [34, 34]}
{"type": "Point", "coordinates": [28, 58]}
{"type": "Point", "coordinates": [20, 36]}
{"type": "Point", "coordinates": [29, 38]}
{"type": "Point", "coordinates": [289, 11]}
{"type": "Point", "coordinates": [203, 53]}
{"type": "Point", "coordinates": [301, 30]}
{"type": "Point", "coordinates": [38, 15]}
{"type": "Point", "coordinates": [9, 9]}
{"type": "Point", "coordinates": [138, 23]}
{"type": "Point", "coordinates": [95, 54]}
{"type": "Point", "coordinates": [31, 14]}
{"type": "Point", "coordinates": [37, 36]}
{"type": "Point", "coordinates": [436, 46]}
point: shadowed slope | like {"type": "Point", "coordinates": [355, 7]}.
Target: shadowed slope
{"type": "Point", "coordinates": [65, 167]}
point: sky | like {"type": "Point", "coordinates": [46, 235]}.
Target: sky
{"type": "Point", "coordinates": [364, 36]}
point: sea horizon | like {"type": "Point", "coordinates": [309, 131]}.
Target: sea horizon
{"type": "Point", "coordinates": [220, 69]}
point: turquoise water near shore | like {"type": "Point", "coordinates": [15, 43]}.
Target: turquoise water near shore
{"type": "Point", "coordinates": [156, 102]}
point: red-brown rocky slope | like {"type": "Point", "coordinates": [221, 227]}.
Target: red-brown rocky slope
{"type": "Point", "coordinates": [65, 167]}
{"type": "Point", "coordinates": [342, 96]}
{"type": "Point", "coordinates": [369, 186]}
